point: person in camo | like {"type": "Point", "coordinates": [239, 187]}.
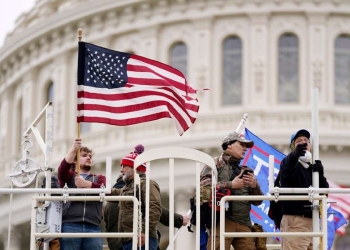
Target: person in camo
{"type": "Point", "coordinates": [230, 176]}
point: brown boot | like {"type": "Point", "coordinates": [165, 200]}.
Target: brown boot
{"type": "Point", "coordinates": [260, 242]}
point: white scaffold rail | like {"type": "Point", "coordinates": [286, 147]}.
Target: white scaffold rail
{"type": "Point", "coordinates": [172, 153]}
{"type": "Point", "coordinates": [68, 191]}
{"type": "Point", "coordinates": [183, 153]}
{"type": "Point", "coordinates": [273, 190]}
{"type": "Point", "coordinates": [35, 200]}
{"type": "Point", "coordinates": [224, 234]}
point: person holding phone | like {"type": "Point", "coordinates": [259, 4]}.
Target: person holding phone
{"type": "Point", "coordinates": [296, 172]}
{"type": "Point", "coordinates": [241, 181]}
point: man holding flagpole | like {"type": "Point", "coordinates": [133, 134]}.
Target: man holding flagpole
{"type": "Point", "coordinates": [80, 216]}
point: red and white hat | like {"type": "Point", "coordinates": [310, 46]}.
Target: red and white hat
{"type": "Point", "coordinates": [129, 159]}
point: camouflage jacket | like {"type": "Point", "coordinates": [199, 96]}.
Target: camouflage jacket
{"type": "Point", "coordinates": [228, 168]}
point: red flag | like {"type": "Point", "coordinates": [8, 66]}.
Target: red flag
{"type": "Point", "coordinates": [123, 89]}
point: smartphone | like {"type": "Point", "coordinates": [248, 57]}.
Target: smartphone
{"type": "Point", "coordinates": [246, 171]}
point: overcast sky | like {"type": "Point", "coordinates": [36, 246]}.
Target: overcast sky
{"type": "Point", "coordinates": [10, 10]}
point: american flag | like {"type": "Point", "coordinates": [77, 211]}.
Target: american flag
{"type": "Point", "coordinates": [340, 202]}
{"type": "Point", "coordinates": [122, 89]}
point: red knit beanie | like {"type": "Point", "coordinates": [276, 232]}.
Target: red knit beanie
{"type": "Point", "coordinates": [129, 159]}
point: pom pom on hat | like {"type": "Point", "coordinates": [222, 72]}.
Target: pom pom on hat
{"type": "Point", "coordinates": [139, 148]}
{"type": "Point", "coordinates": [129, 159]}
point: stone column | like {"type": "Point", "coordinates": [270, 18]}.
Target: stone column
{"type": "Point", "coordinates": [317, 55]}
{"type": "Point", "coordinates": [257, 89]}
{"type": "Point", "coordinates": [202, 31]}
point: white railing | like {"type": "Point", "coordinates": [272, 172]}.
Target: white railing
{"type": "Point", "coordinates": [36, 199]}
{"type": "Point", "coordinates": [172, 153]}
{"type": "Point", "coordinates": [224, 234]}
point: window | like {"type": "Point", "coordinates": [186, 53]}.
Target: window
{"type": "Point", "coordinates": [342, 70]}
{"type": "Point", "coordinates": [288, 69]}
{"type": "Point", "coordinates": [232, 71]}
{"type": "Point", "coordinates": [178, 57]}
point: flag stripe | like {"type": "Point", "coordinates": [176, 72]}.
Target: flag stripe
{"type": "Point", "coordinates": [342, 204]}
{"type": "Point", "coordinates": [138, 66]}
{"type": "Point", "coordinates": [87, 117]}
{"type": "Point", "coordinates": [120, 100]}
{"type": "Point", "coordinates": [140, 72]}
{"type": "Point", "coordinates": [99, 111]}
{"type": "Point", "coordinates": [157, 64]}
{"type": "Point", "coordinates": [145, 103]}
{"type": "Point", "coordinates": [138, 103]}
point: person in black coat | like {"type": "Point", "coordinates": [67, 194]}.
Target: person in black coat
{"type": "Point", "coordinates": [296, 172]}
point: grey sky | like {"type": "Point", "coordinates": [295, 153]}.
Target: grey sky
{"type": "Point", "coordinates": [10, 10]}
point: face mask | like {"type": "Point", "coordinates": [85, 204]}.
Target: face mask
{"type": "Point", "coordinates": [306, 158]}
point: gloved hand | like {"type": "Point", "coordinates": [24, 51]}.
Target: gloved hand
{"type": "Point", "coordinates": [300, 150]}
{"type": "Point", "coordinates": [318, 167]}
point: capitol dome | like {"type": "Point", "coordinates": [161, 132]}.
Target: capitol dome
{"type": "Point", "coordinates": [261, 57]}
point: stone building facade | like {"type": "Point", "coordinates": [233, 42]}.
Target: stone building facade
{"type": "Point", "coordinates": [261, 57]}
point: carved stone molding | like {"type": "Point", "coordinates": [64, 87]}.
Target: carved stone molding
{"type": "Point", "coordinates": [258, 74]}
{"type": "Point", "coordinates": [317, 68]}
{"type": "Point", "coordinates": [201, 79]}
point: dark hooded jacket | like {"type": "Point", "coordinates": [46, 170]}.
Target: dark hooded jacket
{"type": "Point", "coordinates": [294, 175]}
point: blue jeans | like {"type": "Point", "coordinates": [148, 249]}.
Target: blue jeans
{"type": "Point", "coordinates": [203, 238]}
{"type": "Point", "coordinates": [153, 244]}
{"type": "Point", "coordinates": [80, 243]}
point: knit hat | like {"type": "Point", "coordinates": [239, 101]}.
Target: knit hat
{"type": "Point", "coordinates": [129, 159]}
{"type": "Point", "coordinates": [234, 136]}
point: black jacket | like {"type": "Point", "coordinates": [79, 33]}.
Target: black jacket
{"type": "Point", "coordinates": [295, 175]}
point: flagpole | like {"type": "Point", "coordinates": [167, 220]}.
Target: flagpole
{"type": "Point", "coordinates": [242, 123]}
{"type": "Point", "coordinates": [315, 175]}
{"type": "Point", "coordinates": [77, 168]}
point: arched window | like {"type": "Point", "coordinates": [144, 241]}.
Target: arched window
{"type": "Point", "coordinates": [342, 70]}
{"type": "Point", "coordinates": [178, 57]}
{"type": "Point", "coordinates": [232, 71]}
{"type": "Point", "coordinates": [288, 68]}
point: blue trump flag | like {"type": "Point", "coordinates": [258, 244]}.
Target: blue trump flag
{"type": "Point", "coordinates": [335, 220]}
{"type": "Point", "coordinates": [257, 158]}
